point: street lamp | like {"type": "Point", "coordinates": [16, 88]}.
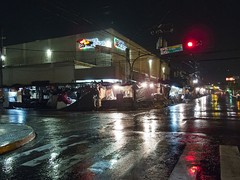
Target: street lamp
{"type": "Point", "coordinates": [195, 81]}
{"type": "Point", "coordinates": [150, 67]}
{"type": "Point", "coordinates": [49, 54]}
{"type": "Point", "coordinates": [163, 73]}
{"type": "Point", "coordinates": [131, 62]}
{"type": "Point", "coordinates": [3, 58]}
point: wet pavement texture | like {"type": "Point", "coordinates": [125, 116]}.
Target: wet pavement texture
{"type": "Point", "coordinates": [144, 144]}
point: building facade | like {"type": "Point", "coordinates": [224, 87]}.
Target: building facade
{"type": "Point", "coordinates": [99, 55]}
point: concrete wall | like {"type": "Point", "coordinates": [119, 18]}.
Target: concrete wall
{"type": "Point", "coordinates": [96, 73]}
{"type": "Point", "coordinates": [54, 73]}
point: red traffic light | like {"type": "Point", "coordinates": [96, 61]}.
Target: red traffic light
{"type": "Point", "coordinates": [190, 44]}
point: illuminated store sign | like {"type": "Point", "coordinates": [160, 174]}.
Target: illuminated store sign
{"type": "Point", "coordinates": [119, 44]}
{"type": "Point", "coordinates": [84, 43]}
{"type": "Point", "coordinates": [91, 43]}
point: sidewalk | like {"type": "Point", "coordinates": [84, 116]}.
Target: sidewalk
{"type": "Point", "coordinates": [13, 136]}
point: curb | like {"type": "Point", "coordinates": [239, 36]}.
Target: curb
{"type": "Point", "coordinates": [14, 145]}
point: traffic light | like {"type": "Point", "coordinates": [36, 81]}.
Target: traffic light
{"type": "Point", "coordinates": [190, 44]}
{"type": "Point", "coordinates": [193, 44]}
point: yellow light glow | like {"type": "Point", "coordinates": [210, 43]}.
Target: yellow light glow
{"type": "Point", "coordinates": [151, 85]}
{"type": "Point", "coordinates": [163, 69]}
{"type": "Point", "coordinates": [144, 84]}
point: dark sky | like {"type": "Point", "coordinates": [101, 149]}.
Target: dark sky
{"type": "Point", "coordinates": [215, 22]}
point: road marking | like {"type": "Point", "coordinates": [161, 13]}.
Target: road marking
{"type": "Point", "coordinates": [116, 167]}
{"type": "Point", "coordinates": [104, 152]}
{"type": "Point", "coordinates": [185, 168]}
{"type": "Point", "coordinates": [187, 165]}
{"type": "Point", "coordinates": [37, 161]}
{"type": "Point", "coordinates": [91, 154]}
{"type": "Point", "coordinates": [44, 147]}
{"type": "Point", "coordinates": [230, 162]}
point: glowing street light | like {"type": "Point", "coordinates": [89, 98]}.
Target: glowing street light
{"type": "Point", "coordinates": [49, 53]}
{"type": "Point", "coordinates": [163, 69]}
{"type": "Point", "coordinates": [150, 62]}
{"type": "Point", "coordinates": [150, 67]}
{"type": "Point", "coordinates": [3, 58]}
{"type": "Point", "coordinates": [195, 81]}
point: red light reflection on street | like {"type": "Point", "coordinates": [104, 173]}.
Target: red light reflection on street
{"type": "Point", "coordinates": [192, 159]}
{"type": "Point", "coordinates": [193, 170]}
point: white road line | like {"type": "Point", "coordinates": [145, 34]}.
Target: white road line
{"type": "Point", "coordinates": [186, 167]}
{"type": "Point", "coordinates": [119, 167]}
{"type": "Point", "coordinates": [67, 163]}
{"type": "Point", "coordinates": [91, 153]}
{"type": "Point", "coordinates": [104, 152]}
{"type": "Point", "coordinates": [230, 162]}
{"type": "Point", "coordinates": [44, 147]}
{"type": "Point", "coordinates": [37, 161]}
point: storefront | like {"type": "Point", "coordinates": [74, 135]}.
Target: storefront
{"type": "Point", "coordinates": [77, 60]}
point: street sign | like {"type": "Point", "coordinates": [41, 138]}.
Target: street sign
{"type": "Point", "coordinates": [171, 49]}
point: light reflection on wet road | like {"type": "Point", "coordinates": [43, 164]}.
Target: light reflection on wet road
{"type": "Point", "coordinates": [144, 144]}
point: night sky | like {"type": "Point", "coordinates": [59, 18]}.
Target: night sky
{"type": "Point", "coordinates": [214, 22]}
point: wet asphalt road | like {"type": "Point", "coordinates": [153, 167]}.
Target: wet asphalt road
{"type": "Point", "coordinates": [143, 144]}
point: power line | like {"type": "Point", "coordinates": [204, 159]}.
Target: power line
{"type": "Point", "coordinates": [220, 59]}
{"type": "Point", "coordinates": [75, 14]}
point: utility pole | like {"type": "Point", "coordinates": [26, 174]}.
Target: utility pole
{"type": "Point", "coordinates": [1, 58]}
{"type": "Point", "coordinates": [128, 65]}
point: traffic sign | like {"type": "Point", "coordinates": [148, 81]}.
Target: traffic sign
{"type": "Point", "coordinates": [171, 49]}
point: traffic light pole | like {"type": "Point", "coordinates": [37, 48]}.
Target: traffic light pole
{"type": "Point", "coordinates": [1, 59]}
{"type": "Point", "coordinates": [1, 71]}
{"type": "Point", "coordinates": [131, 63]}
